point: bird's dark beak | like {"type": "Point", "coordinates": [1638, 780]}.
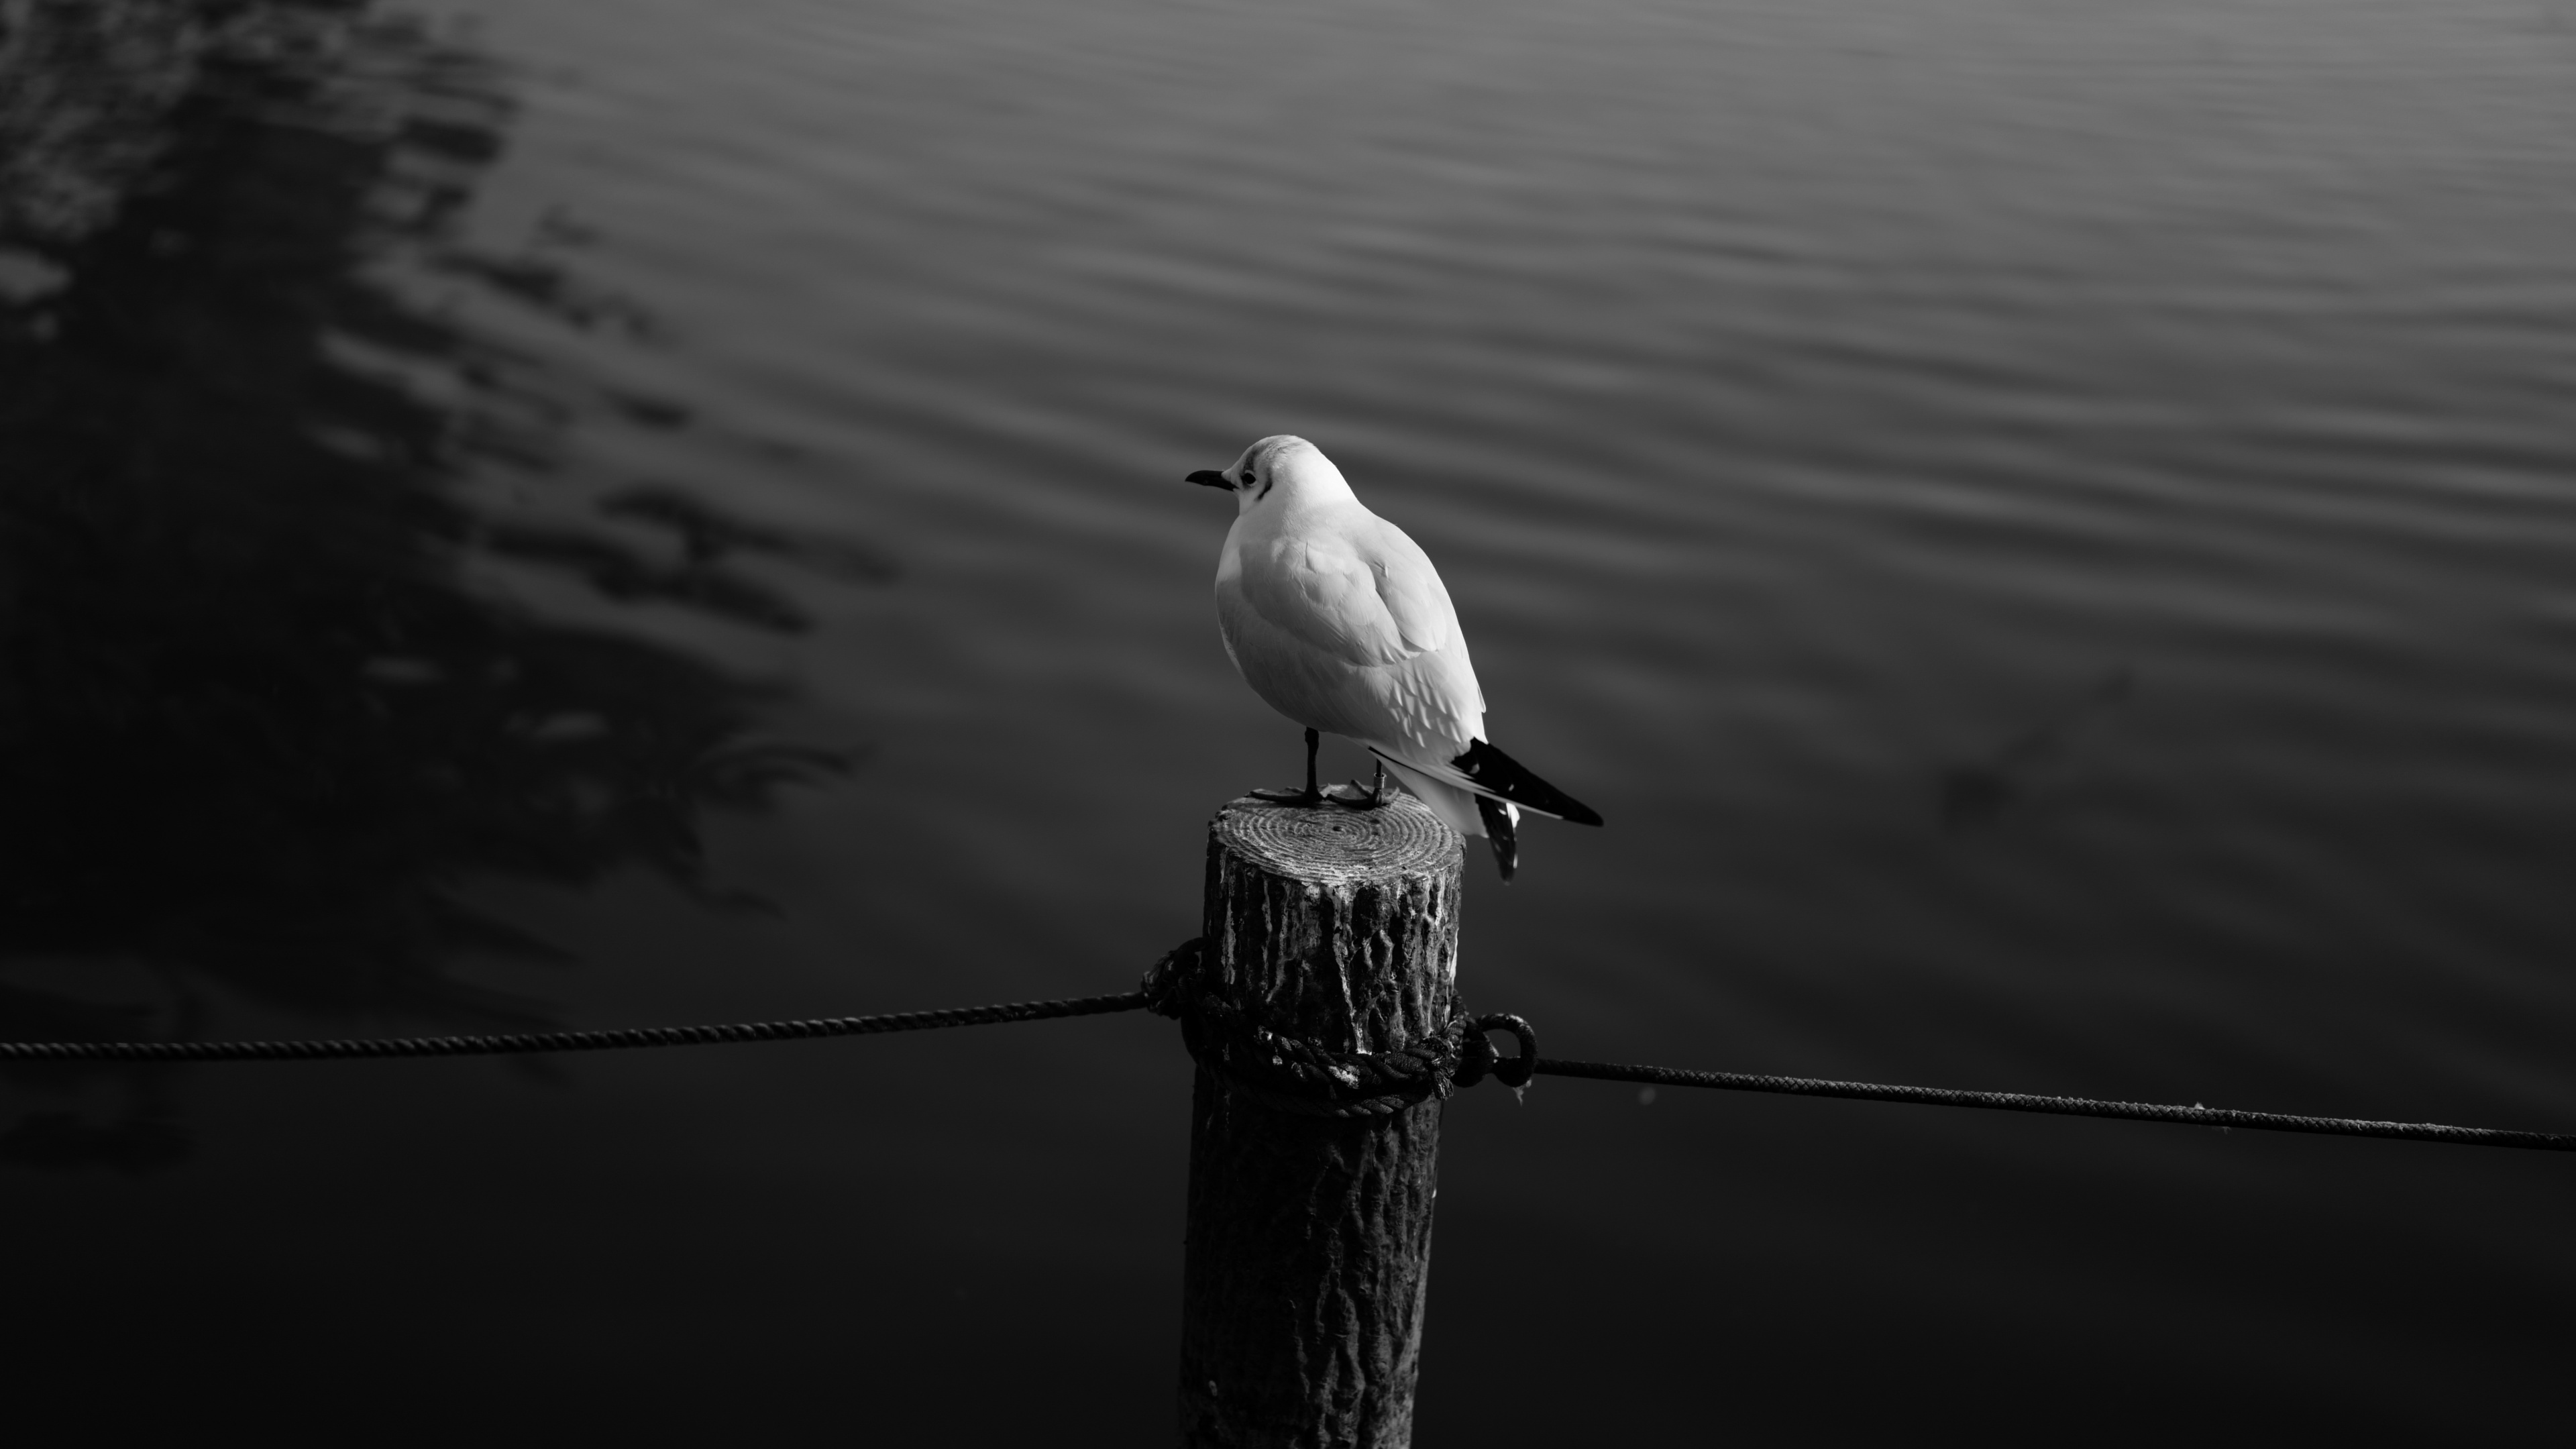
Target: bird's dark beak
{"type": "Point", "coordinates": [1211, 478]}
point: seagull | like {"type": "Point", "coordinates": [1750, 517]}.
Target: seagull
{"type": "Point", "coordinates": [1338, 621]}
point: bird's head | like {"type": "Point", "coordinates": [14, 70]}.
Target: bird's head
{"type": "Point", "coordinates": [1282, 464]}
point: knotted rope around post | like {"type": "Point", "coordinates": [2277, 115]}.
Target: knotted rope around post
{"type": "Point", "coordinates": [1289, 1074]}
{"type": "Point", "coordinates": [1280, 1070]}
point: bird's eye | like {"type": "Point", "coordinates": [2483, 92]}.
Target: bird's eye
{"type": "Point", "coordinates": [1247, 477]}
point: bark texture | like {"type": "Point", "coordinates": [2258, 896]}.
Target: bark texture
{"type": "Point", "coordinates": [1309, 1238]}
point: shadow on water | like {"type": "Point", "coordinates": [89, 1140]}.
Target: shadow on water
{"type": "Point", "coordinates": [256, 730]}
{"type": "Point", "coordinates": [1976, 795]}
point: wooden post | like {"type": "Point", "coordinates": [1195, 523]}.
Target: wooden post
{"type": "Point", "coordinates": [1309, 1239]}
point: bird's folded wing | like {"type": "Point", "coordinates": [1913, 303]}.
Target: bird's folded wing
{"type": "Point", "coordinates": [1366, 595]}
{"type": "Point", "coordinates": [1407, 585]}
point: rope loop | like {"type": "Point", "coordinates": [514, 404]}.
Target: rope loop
{"type": "Point", "coordinates": [1480, 1058]}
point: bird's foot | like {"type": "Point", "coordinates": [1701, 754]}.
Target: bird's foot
{"type": "Point", "coordinates": [1356, 796]}
{"type": "Point", "coordinates": [1307, 798]}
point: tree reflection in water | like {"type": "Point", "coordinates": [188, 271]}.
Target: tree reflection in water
{"type": "Point", "coordinates": [255, 730]}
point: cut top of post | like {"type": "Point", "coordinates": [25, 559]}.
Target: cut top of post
{"type": "Point", "coordinates": [1336, 925]}
{"type": "Point", "coordinates": [1336, 845]}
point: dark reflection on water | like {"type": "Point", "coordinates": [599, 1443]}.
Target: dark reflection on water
{"type": "Point", "coordinates": [1978, 793]}
{"type": "Point", "coordinates": [256, 729]}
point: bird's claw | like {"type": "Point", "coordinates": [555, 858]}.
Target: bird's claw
{"type": "Point", "coordinates": [1303, 799]}
{"type": "Point", "coordinates": [1356, 796]}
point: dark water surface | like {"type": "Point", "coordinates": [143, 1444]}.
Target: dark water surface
{"type": "Point", "coordinates": [2049, 531]}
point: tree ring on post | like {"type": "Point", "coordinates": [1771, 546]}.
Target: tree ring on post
{"type": "Point", "coordinates": [1334, 844]}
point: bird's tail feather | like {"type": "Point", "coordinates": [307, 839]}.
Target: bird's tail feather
{"type": "Point", "coordinates": [1470, 814]}
{"type": "Point", "coordinates": [1484, 771]}
{"type": "Point", "coordinates": [1454, 806]}
{"type": "Point", "coordinates": [1498, 833]}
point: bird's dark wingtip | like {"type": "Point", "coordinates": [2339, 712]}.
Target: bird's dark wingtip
{"type": "Point", "coordinates": [1493, 770]}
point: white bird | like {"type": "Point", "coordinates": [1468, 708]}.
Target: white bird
{"type": "Point", "coordinates": [1338, 621]}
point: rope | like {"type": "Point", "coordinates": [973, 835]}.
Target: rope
{"type": "Point", "coordinates": [2195, 1115]}
{"type": "Point", "coordinates": [1289, 1074]}
{"type": "Point", "coordinates": [1278, 1069]}
{"type": "Point", "coordinates": [562, 1041]}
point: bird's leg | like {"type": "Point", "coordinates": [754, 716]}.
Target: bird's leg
{"type": "Point", "coordinates": [1310, 796]}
